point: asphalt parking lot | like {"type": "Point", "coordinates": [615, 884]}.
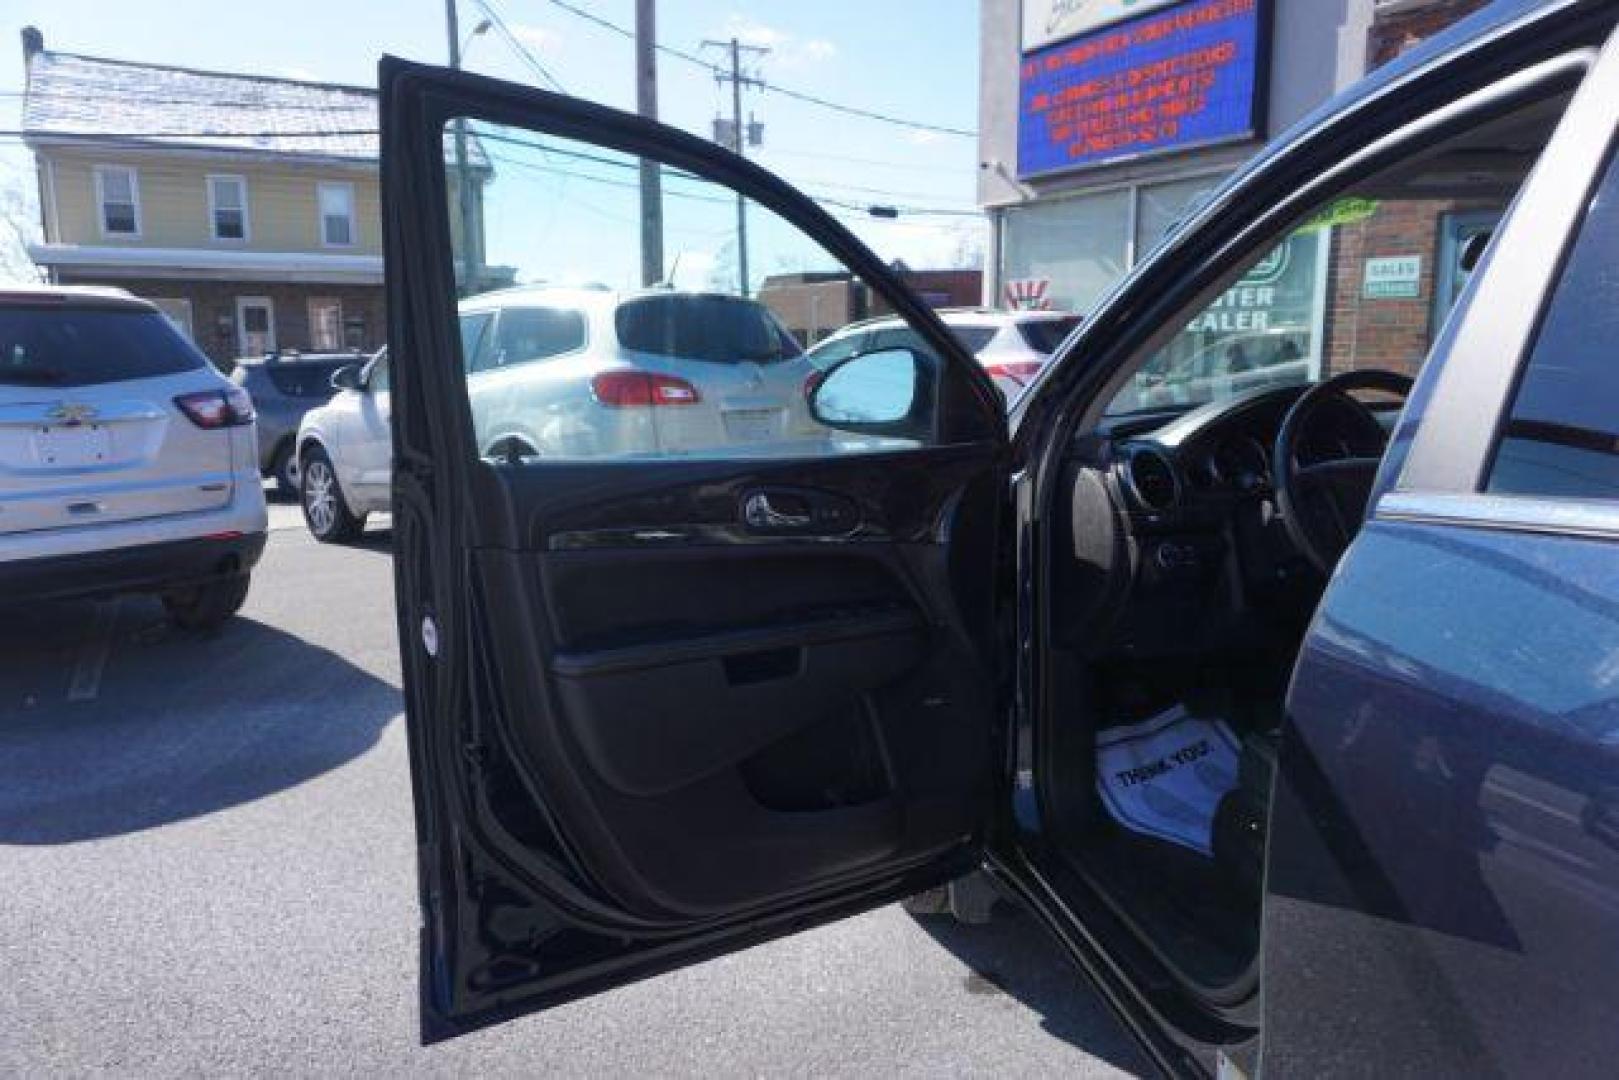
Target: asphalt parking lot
{"type": "Point", "coordinates": [206, 857]}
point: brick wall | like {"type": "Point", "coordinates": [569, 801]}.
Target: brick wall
{"type": "Point", "coordinates": [813, 309]}
{"type": "Point", "coordinates": [1392, 333]}
{"type": "Point", "coordinates": [1396, 31]}
{"type": "Point", "coordinates": [213, 309]}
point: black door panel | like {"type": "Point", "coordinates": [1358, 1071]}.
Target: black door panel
{"type": "Point", "coordinates": [665, 701]}
{"type": "Point", "coordinates": [763, 694]}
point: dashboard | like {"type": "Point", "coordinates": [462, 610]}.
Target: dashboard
{"type": "Point", "coordinates": [1193, 554]}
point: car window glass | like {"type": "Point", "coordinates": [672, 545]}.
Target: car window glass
{"type": "Point", "coordinates": [474, 329]}
{"type": "Point", "coordinates": [973, 338]}
{"type": "Point", "coordinates": [377, 382]}
{"type": "Point", "coordinates": [716, 329]}
{"type": "Point", "coordinates": [526, 334]}
{"type": "Point", "coordinates": [1353, 287]}
{"type": "Point", "coordinates": [42, 346]}
{"type": "Point", "coordinates": [830, 352]}
{"type": "Point", "coordinates": [1561, 437]}
{"type": "Point", "coordinates": [1044, 335]}
{"type": "Point", "coordinates": [303, 378]}
{"type": "Point", "coordinates": [692, 350]}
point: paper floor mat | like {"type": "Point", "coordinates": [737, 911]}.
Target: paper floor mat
{"type": "Point", "coordinates": [1165, 776]}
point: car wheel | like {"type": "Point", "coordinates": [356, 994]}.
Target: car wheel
{"type": "Point", "coordinates": [325, 512]}
{"type": "Point", "coordinates": [285, 470]}
{"type": "Point", "coordinates": [206, 607]}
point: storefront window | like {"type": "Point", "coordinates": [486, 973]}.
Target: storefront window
{"type": "Point", "coordinates": [1365, 283]}
{"type": "Point", "coordinates": [1160, 206]}
{"type": "Point", "coordinates": [1079, 247]}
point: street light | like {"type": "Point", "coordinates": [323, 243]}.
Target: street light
{"type": "Point", "coordinates": [477, 31]}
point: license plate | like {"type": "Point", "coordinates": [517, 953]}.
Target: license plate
{"type": "Point", "coordinates": [74, 446]}
{"type": "Point", "coordinates": [753, 425]}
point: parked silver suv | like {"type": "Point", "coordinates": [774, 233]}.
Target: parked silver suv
{"type": "Point", "coordinates": [127, 462]}
{"type": "Point", "coordinates": [579, 373]}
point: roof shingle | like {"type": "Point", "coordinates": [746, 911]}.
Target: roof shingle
{"type": "Point", "coordinates": [95, 98]}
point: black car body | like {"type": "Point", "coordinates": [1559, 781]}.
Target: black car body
{"type": "Point", "coordinates": [284, 386]}
{"type": "Point", "coordinates": [607, 662]}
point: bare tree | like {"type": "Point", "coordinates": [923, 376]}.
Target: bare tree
{"type": "Point", "coordinates": [19, 224]}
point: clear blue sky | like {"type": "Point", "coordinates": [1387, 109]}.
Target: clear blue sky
{"type": "Point", "coordinates": [913, 58]}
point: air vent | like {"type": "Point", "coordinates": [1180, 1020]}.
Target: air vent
{"type": "Point", "coordinates": [1150, 476]}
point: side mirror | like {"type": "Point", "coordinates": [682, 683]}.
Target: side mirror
{"type": "Point", "coordinates": [1473, 249]}
{"type": "Point", "coordinates": [876, 392]}
{"type": "Point", "coordinates": [346, 377]}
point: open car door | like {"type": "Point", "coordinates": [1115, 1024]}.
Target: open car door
{"type": "Point", "coordinates": [697, 634]}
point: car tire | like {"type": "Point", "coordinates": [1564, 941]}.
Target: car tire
{"type": "Point", "coordinates": [284, 470]}
{"type": "Point", "coordinates": [206, 607]}
{"type": "Point", "coordinates": [321, 497]}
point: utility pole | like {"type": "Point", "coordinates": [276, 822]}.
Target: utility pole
{"type": "Point", "coordinates": [737, 138]}
{"type": "Point", "coordinates": [470, 262]}
{"type": "Point", "coordinates": [646, 103]}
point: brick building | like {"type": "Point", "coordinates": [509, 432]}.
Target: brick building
{"type": "Point", "coordinates": [814, 305]}
{"type": "Point", "coordinates": [1074, 204]}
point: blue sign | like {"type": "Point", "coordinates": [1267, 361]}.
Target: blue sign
{"type": "Point", "coordinates": [1170, 80]}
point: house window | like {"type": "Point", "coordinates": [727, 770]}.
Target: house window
{"type": "Point", "coordinates": [325, 324]}
{"type": "Point", "coordinates": [337, 215]}
{"type": "Point", "coordinates": [227, 207]}
{"type": "Point", "coordinates": [118, 192]}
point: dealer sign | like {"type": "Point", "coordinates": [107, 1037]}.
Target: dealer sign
{"type": "Point", "coordinates": [1182, 76]}
{"type": "Point", "coordinates": [1045, 21]}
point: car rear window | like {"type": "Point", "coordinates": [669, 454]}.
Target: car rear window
{"type": "Point", "coordinates": [1044, 335]}
{"type": "Point", "coordinates": [718, 329]}
{"type": "Point", "coordinates": [306, 378]}
{"type": "Point", "coordinates": [55, 346]}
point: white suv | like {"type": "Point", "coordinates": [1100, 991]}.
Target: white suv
{"type": "Point", "coordinates": [127, 462]}
{"type": "Point", "coordinates": [579, 373]}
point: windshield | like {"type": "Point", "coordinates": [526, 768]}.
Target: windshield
{"type": "Point", "coordinates": [57, 346]}
{"type": "Point", "coordinates": [720, 329]}
{"type": "Point", "coordinates": [1365, 283]}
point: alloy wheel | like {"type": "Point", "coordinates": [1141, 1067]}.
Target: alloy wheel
{"type": "Point", "coordinates": [320, 496]}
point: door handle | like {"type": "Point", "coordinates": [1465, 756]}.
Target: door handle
{"type": "Point", "coordinates": [761, 513]}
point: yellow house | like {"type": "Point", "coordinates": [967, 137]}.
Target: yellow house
{"type": "Point", "coordinates": [246, 207]}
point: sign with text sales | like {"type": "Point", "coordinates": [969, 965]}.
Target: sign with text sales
{"type": "Point", "coordinates": [1170, 80]}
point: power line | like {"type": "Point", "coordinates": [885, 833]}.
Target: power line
{"type": "Point", "coordinates": [680, 174]}
{"type": "Point", "coordinates": [798, 95]}
{"type": "Point", "coordinates": [907, 166]}
{"type": "Point", "coordinates": [518, 47]}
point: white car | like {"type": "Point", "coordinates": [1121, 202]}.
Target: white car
{"type": "Point", "coordinates": [1012, 345]}
{"type": "Point", "coordinates": [578, 373]}
{"type": "Point", "coordinates": [127, 462]}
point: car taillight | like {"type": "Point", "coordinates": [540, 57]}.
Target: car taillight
{"type": "Point", "coordinates": [634, 389]}
{"type": "Point", "coordinates": [211, 409]}
{"type": "Point", "coordinates": [1020, 371]}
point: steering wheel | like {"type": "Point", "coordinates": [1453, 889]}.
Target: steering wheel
{"type": "Point", "coordinates": [1324, 499]}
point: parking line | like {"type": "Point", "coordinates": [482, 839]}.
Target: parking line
{"type": "Point", "coordinates": [93, 653]}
